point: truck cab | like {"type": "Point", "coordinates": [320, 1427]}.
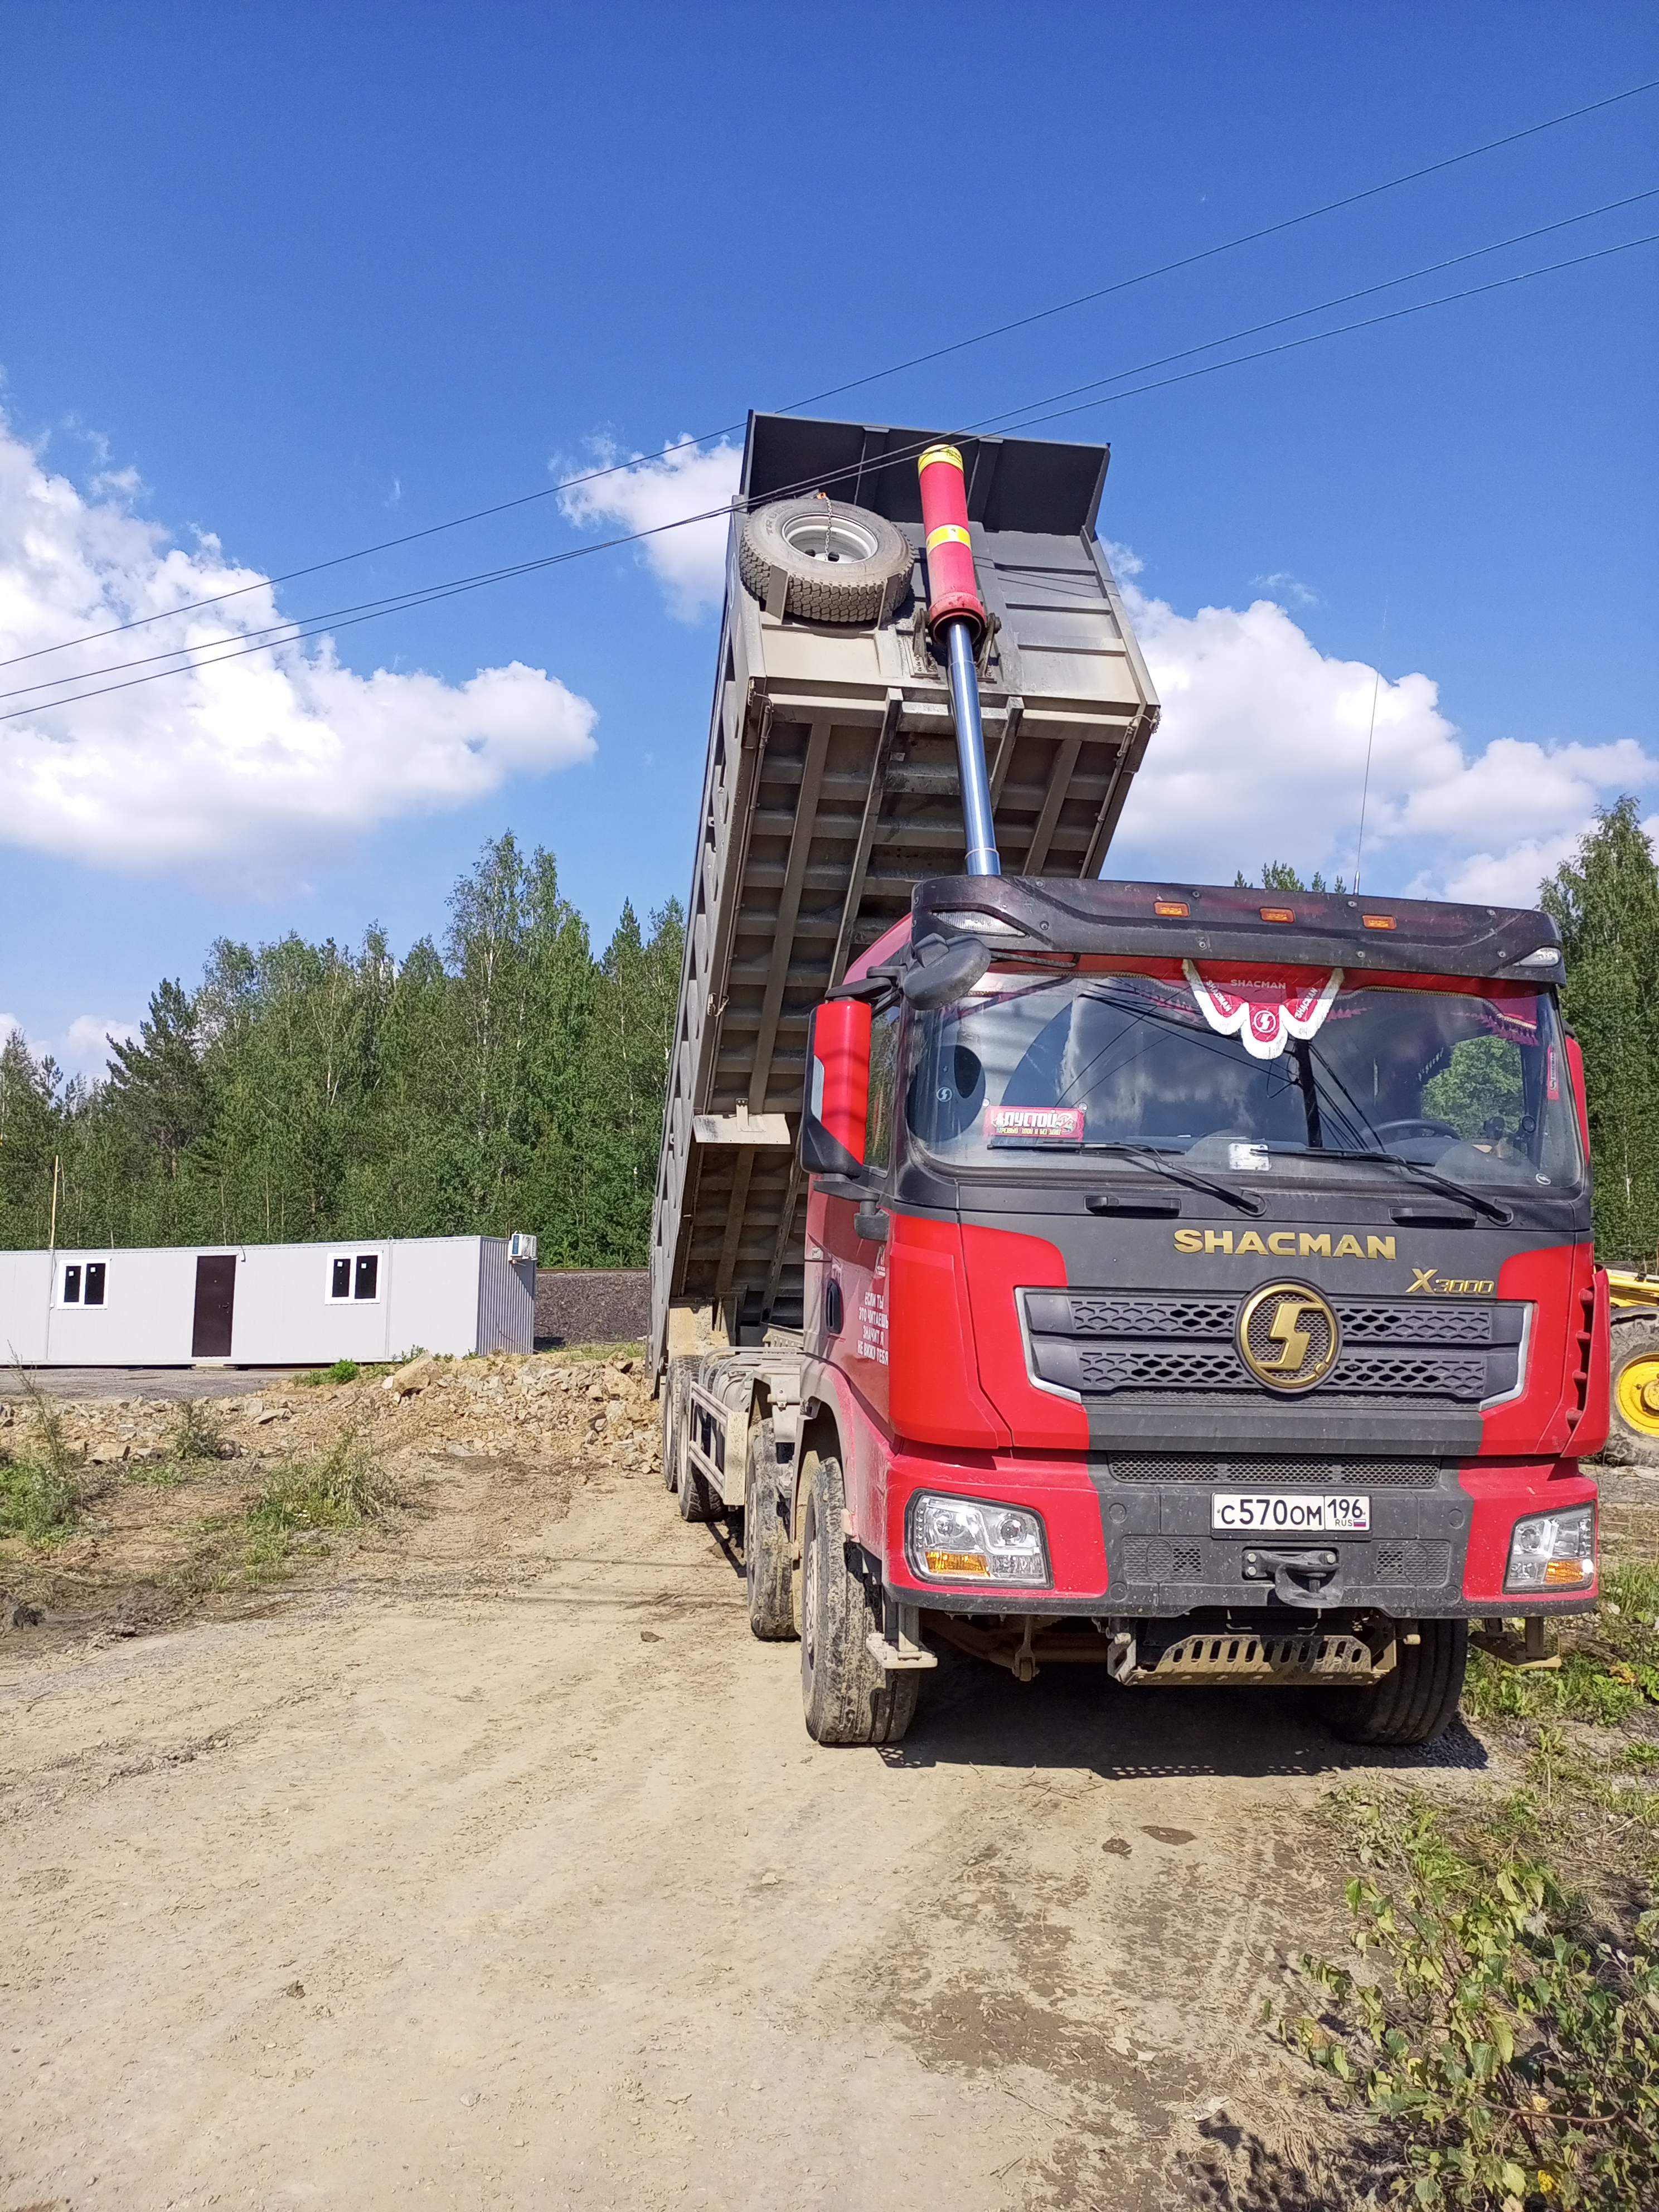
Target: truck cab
{"type": "Point", "coordinates": [1202, 1286]}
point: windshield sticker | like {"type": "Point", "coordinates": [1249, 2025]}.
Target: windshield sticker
{"type": "Point", "coordinates": [1033, 1125]}
{"type": "Point", "coordinates": [1264, 1012]}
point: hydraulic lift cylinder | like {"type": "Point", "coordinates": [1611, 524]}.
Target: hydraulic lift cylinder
{"type": "Point", "coordinates": [957, 621]}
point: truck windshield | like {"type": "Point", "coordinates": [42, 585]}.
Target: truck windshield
{"type": "Point", "coordinates": [1469, 1080]}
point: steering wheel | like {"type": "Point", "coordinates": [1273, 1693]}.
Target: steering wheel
{"type": "Point", "coordinates": [1422, 1125]}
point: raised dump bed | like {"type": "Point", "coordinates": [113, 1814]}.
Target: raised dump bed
{"type": "Point", "coordinates": [831, 788]}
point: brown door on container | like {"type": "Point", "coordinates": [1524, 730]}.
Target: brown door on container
{"type": "Point", "coordinates": [215, 1297]}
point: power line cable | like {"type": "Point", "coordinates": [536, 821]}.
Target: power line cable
{"type": "Point", "coordinates": [1341, 330]}
{"type": "Point", "coordinates": [392, 602]}
{"type": "Point", "coordinates": [875, 376]}
{"type": "Point", "coordinates": [430, 595]}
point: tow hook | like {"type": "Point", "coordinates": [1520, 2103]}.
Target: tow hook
{"type": "Point", "coordinates": [1306, 1579]}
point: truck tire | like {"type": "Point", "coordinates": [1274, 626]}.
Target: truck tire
{"type": "Point", "coordinates": [1633, 1431]}
{"type": "Point", "coordinates": [824, 561]}
{"type": "Point", "coordinates": [846, 1695]}
{"type": "Point", "coordinates": [768, 1568]}
{"type": "Point", "coordinates": [676, 1398]}
{"type": "Point", "coordinates": [1415, 1702]}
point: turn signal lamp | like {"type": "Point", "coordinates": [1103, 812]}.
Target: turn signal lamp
{"type": "Point", "coordinates": [1277, 914]}
{"type": "Point", "coordinates": [1552, 1551]}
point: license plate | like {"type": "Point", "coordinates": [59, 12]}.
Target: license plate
{"type": "Point", "coordinates": [1270, 1512]}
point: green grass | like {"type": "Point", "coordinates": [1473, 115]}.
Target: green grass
{"type": "Point", "coordinates": [303, 1500]}
{"type": "Point", "coordinates": [1609, 1666]}
{"type": "Point", "coordinates": [1504, 2048]}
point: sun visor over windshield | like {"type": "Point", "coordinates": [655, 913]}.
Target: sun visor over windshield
{"type": "Point", "coordinates": [1264, 1011]}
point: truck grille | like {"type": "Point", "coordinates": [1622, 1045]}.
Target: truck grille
{"type": "Point", "coordinates": [1281, 1473]}
{"type": "Point", "coordinates": [1138, 1347]}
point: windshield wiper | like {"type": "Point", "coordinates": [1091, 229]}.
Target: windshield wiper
{"type": "Point", "coordinates": [1500, 1214]}
{"type": "Point", "coordinates": [1144, 1156]}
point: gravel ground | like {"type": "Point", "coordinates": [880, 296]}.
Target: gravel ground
{"type": "Point", "coordinates": [488, 1863]}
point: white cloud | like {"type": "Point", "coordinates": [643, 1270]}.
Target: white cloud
{"type": "Point", "coordinates": [689, 564]}
{"type": "Point", "coordinates": [1288, 589]}
{"type": "Point", "coordinates": [84, 1047]}
{"type": "Point", "coordinates": [1260, 754]}
{"type": "Point", "coordinates": [244, 766]}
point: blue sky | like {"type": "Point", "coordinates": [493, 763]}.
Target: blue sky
{"type": "Point", "coordinates": [304, 280]}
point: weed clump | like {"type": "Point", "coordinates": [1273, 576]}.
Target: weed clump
{"type": "Point", "coordinates": [41, 1491]}
{"type": "Point", "coordinates": [343, 1371]}
{"type": "Point", "coordinates": [1514, 2054]}
{"type": "Point", "coordinates": [304, 1499]}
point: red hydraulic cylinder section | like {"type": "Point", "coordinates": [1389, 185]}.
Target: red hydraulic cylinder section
{"type": "Point", "coordinates": [952, 588]}
{"type": "Point", "coordinates": [957, 621]}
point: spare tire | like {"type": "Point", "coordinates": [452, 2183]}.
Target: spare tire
{"type": "Point", "coordinates": [824, 561]}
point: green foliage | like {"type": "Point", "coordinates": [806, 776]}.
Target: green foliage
{"type": "Point", "coordinates": [304, 1499]}
{"type": "Point", "coordinates": [343, 1371]}
{"type": "Point", "coordinates": [1605, 901]}
{"type": "Point", "coordinates": [194, 1438]}
{"type": "Point", "coordinates": [1280, 876]}
{"type": "Point", "coordinates": [40, 1490]}
{"type": "Point", "coordinates": [1516, 2057]}
{"type": "Point", "coordinates": [1480, 1083]}
{"type": "Point", "coordinates": [509, 1080]}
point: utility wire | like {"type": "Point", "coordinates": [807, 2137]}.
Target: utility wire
{"type": "Point", "coordinates": [875, 376]}
{"type": "Point", "coordinates": [1341, 330]}
{"type": "Point", "coordinates": [392, 601]}
{"type": "Point", "coordinates": [429, 595]}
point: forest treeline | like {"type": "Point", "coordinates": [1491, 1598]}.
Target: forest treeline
{"type": "Point", "coordinates": [513, 1078]}
{"type": "Point", "coordinates": [508, 1078]}
{"type": "Point", "coordinates": [1605, 902]}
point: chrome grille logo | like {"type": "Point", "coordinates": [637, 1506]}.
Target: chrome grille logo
{"type": "Point", "coordinates": [1287, 1336]}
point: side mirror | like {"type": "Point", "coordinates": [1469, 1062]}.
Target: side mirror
{"type": "Point", "coordinates": [837, 1102]}
{"type": "Point", "coordinates": [946, 974]}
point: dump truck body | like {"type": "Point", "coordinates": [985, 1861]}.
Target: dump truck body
{"type": "Point", "coordinates": [831, 789]}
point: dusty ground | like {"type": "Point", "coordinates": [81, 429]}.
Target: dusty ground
{"type": "Point", "coordinates": [486, 1862]}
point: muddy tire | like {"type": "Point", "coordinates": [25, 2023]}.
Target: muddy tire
{"type": "Point", "coordinates": [845, 1696]}
{"type": "Point", "coordinates": [676, 1400]}
{"type": "Point", "coordinates": [825, 562]}
{"type": "Point", "coordinates": [767, 1567]}
{"type": "Point", "coordinates": [1414, 1704]}
{"type": "Point", "coordinates": [1633, 1430]}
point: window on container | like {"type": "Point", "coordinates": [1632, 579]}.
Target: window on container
{"type": "Point", "coordinates": [94, 1295]}
{"type": "Point", "coordinates": [71, 1286]}
{"type": "Point", "coordinates": [368, 1280]}
{"type": "Point", "coordinates": [339, 1284]}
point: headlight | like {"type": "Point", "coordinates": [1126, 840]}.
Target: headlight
{"type": "Point", "coordinates": [954, 1539]}
{"type": "Point", "coordinates": [1552, 1551]}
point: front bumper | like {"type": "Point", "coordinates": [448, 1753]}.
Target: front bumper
{"type": "Point", "coordinates": [1145, 1550]}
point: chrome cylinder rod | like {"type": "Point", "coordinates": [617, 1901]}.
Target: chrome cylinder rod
{"type": "Point", "coordinates": [982, 858]}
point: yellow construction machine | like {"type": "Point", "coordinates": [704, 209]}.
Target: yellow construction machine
{"type": "Point", "coordinates": [1633, 1437]}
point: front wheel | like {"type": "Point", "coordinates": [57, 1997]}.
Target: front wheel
{"type": "Point", "coordinates": [1414, 1702]}
{"type": "Point", "coordinates": [846, 1695]}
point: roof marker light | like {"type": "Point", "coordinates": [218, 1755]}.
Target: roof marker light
{"type": "Point", "coordinates": [1176, 906]}
{"type": "Point", "coordinates": [1379, 921]}
{"type": "Point", "coordinates": [1277, 913]}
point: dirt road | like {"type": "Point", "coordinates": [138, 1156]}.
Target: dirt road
{"type": "Point", "coordinates": [500, 1872]}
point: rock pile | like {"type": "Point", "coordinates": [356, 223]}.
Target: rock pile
{"type": "Point", "coordinates": [539, 1409]}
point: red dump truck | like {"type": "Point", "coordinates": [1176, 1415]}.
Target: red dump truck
{"type": "Point", "coordinates": [1189, 1281]}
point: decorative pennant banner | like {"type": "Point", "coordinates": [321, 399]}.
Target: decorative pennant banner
{"type": "Point", "coordinates": [1264, 1013]}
